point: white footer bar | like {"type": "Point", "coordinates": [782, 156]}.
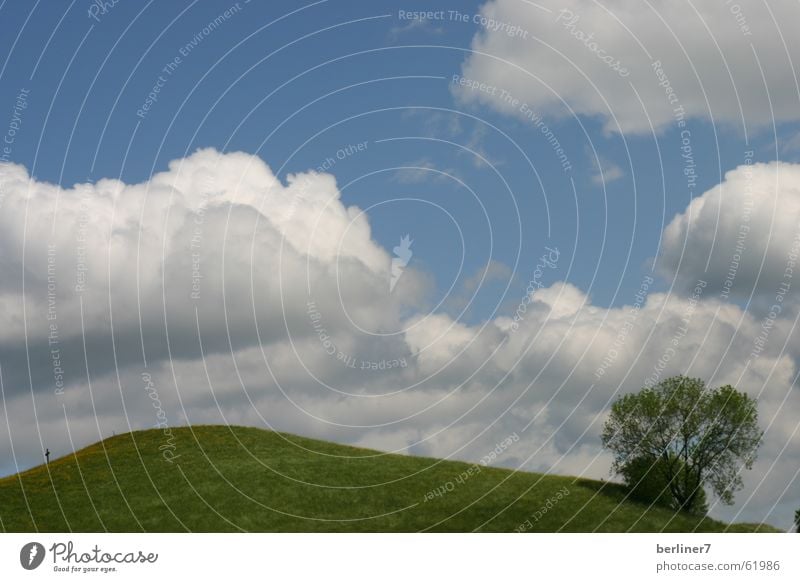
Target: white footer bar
{"type": "Point", "coordinates": [400, 557]}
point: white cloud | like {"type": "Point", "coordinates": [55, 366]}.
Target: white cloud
{"type": "Point", "coordinates": [596, 59]}
{"type": "Point", "coordinates": [415, 26]}
{"type": "Point", "coordinates": [739, 236]}
{"type": "Point", "coordinates": [424, 170]}
{"type": "Point", "coordinates": [216, 231]}
{"type": "Point", "coordinates": [605, 171]}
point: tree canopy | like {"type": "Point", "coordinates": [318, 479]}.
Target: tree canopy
{"type": "Point", "coordinates": [679, 436]}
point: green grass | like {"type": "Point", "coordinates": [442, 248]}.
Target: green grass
{"type": "Point", "coordinates": [236, 478]}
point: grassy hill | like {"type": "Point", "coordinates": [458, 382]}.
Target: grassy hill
{"type": "Point", "coordinates": [236, 478]}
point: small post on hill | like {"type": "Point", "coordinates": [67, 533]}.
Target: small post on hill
{"type": "Point", "coordinates": [47, 455]}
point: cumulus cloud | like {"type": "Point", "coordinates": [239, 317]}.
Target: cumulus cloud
{"type": "Point", "coordinates": [214, 256]}
{"type": "Point", "coordinates": [632, 64]}
{"type": "Point", "coordinates": [217, 234]}
{"type": "Point", "coordinates": [741, 236]}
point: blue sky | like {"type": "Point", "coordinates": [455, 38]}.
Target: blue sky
{"type": "Point", "coordinates": [373, 78]}
{"type": "Point", "coordinates": [390, 105]}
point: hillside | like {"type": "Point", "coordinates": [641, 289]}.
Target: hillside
{"type": "Point", "coordinates": [236, 478]}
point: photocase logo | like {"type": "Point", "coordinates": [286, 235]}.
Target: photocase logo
{"type": "Point", "coordinates": [402, 254]}
{"type": "Point", "coordinates": [31, 555]}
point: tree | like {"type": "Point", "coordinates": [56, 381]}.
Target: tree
{"type": "Point", "coordinates": [688, 436]}
{"type": "Point", "coordinates": [797, 521]}
{"type": "Point", "coordinates": [649, 479]}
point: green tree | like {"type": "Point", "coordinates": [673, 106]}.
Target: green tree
{"type": "Point", "coordinates": [687, 436]}
{"type": "Point", "coordinates": [797, 521]}
{"type": "Point", "coordinates": [649, 478]}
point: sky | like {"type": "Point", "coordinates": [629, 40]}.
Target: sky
{"type": "Point", "coordinates": [417, 227]}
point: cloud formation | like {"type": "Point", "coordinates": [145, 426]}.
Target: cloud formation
{"type": "Point", "coordinates": [635, 65]}
{"type": "Point", "coordinates": [741, 236]}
